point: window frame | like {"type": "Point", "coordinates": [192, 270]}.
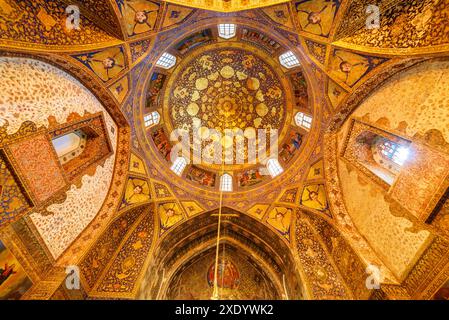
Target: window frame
{"type": "Point", "coordinates": [228, 27]}
{"type": "Point", "coordinates": [289, 60]}
{"type": "Point", "coordinates": [274, 167]}
{"type": "Point", "coordinates": [226, 183]}
{"type": "Point", "coordinates": [151, 119]}
{"type": "Point", "coordinates": [166, 61]}
{"type": "Point", "coordinates": [301, 120]}
{"type": "Point", "coordinates": [179, 166]}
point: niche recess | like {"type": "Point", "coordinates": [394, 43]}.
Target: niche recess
{"type": "Point", "coordinates": [81, 145]}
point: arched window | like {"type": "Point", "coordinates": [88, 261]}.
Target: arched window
{"type": "Point", "coordinates": [379, 154]}
{"type": "Point", "coordinates": [303, 120]}
{"type": "Point", "coordinates": [274, 168]}
{"type": "Point", "coordinates": [289, 60]}
{"type": "Point", "coordinates": [166, 61]}
{"type": "Point", "coordinates": [179, 165]}
{"type": "Point", "coordinates": [70, 146]}
{"type": "Point", "coordinates": [151, 119]}
{"type": "Point", "coordinates": [227, 30]}
{"type": "Point", "coordinates": [226, 183]}
{"type": "Point", "coordinates": [393, 151]}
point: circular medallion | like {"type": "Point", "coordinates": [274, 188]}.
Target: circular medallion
{"type": "Point", "coordinates": [239, 93]}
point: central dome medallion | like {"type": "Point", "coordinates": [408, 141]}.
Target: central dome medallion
{"type": "Point", "coordinates": [216, 90]}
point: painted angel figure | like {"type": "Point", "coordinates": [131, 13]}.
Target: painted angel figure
{"type": "Point", "coordinates": [140, 16]}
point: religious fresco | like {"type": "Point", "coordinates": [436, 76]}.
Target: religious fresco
{"type": "Point", "coordinates": [260, 39]}
{"type": "Point", "coordinates": [63, 98]}
{"type": "Point", "coordinates": [228, 276]}
{"type": "Point", "coordinates": [420, 89]}
{"type": "Point", "coordinates": [300, 90]}
{"type": "Point", "coordinates": [290, 147]}
{"type": "Point", "coordinates": [194, 40]}
{"type": "Point", "coordinates": [317, 16]}
{"type": "Point", "coordinates": [352, 269]}
{"type": "Point", "coordinates": [14, 282]}
{"type": "Point", "coordinates": [200, 176]}
{"type": "Point", "coordinates": [162, 143]}
{"type": "Point", "coordinates": [249, 177]}
{"type": "Point", "coordinates": [226, 6]}
{"type": "Point", "coordinates": [106, 64]}
{"type": "Point", "coordinates": [175, 15]}
{"type": "Point", "coordinates": [137, 191]}
{"type": "Point", "coordinates": [12, 196]}
{"type": "Point", "coordinates": [104, 10]}
{"type": "Point", "coordinates": [350, 67]}
{"type": "Point", "coordinates": [238, 278]}
{"type": "Point", "coordinates": [140, 16]}
{"type": "Point", "coordinates": [170, 214]}
{"type": "Point", "coordinates": [67, 226]}
{"type": "Point", "coordinates": [324, 277]}
{"type": "Point", "coordinates": [314, 197]}
{"type": "Point", "coordinates": [280, 218]}
{"type": "Point", "coordinates": [156, 84]}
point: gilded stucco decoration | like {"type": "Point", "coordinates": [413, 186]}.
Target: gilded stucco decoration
{"type": "Point", "coordinates": [240, 92]}
{"type": "Point", "coordinates": [139, 16]}
{"type": "Point", "coordinates": [411, 25]}
{"type": "Point", "coordinates": [227, 5]}
{"type": "Point", "coordinates": [42, 24]}
{"type": "Point", "coordinates": [34, 92]}
{"type": "Point", "coordinates": [137, 230]}
{"type": "Point", "coordinates": [106, 64]}
{"type": "Point", "coordinates": [317, 17]}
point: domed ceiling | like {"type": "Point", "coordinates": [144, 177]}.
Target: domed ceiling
{"type": "Point", "coordinates": [227, 106]}
{"type": "Point", "coordinates": [224, 89]}
{"type": "Point", "coordinates": [136, 227]}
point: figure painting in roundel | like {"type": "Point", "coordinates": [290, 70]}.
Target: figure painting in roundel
{"type": "Point", "coordinates": [228, 276]}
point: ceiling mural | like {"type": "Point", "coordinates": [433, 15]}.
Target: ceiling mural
{"type": "Point", "coordinates": [106, 64]}
{"type": "Point", "coordinates": [240, 93]}
{"type": "Point", "coordinates": [185, 94]}
{"type": "Point", "coordinates": [14, 199]}
{"type": "Point", "coordinates": [140, 16]}
{"type": "Point", "coordinates": [227, 6]}
{"type": "Point", "coordinates": [42, 24]}
{"type": "Point", "coordinates": [317, 17]}
{"type": "Point", "coordinates": [238, 278]}
{"type": "Point", "coordinates": [143, 82]}
{"type": "Point", "coordinates": [420, 20]}
{"type": "Point", "coordinates": [136, 191]}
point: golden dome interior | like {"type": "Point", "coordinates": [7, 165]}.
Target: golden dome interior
{"type": "Point", "coordinates": [100, 99]}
